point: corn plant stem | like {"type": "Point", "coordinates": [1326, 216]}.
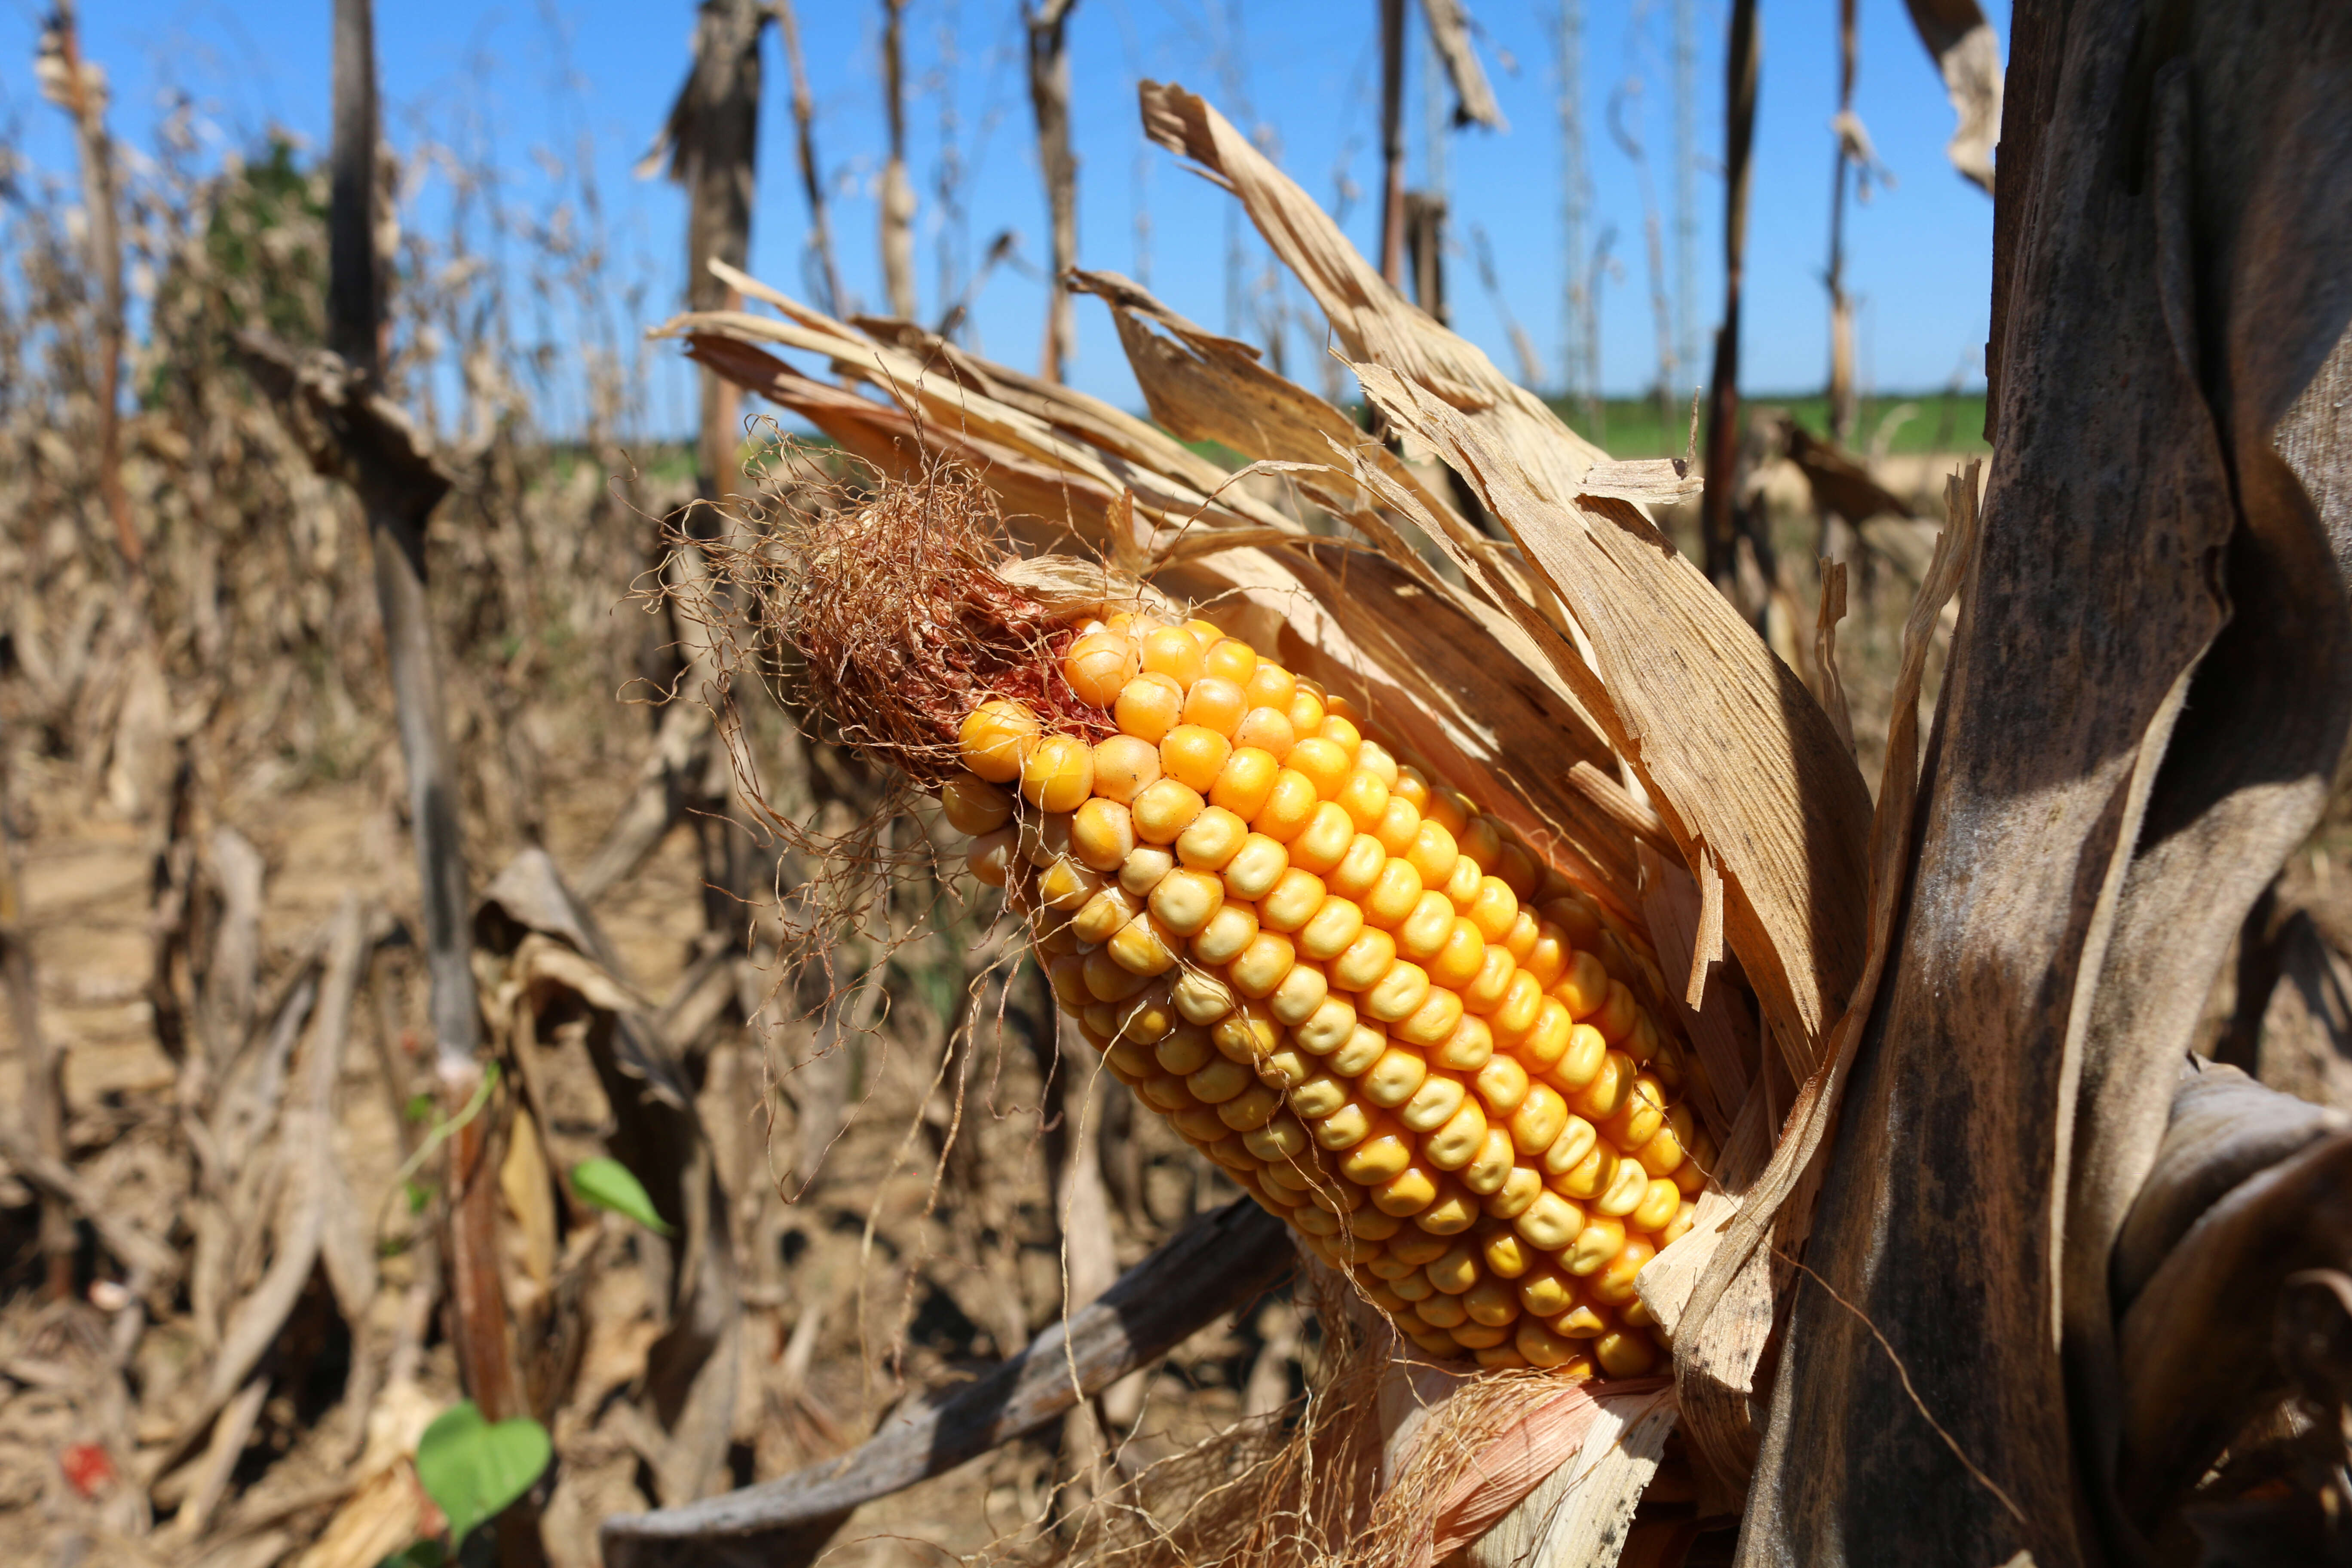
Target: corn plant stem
{"type": "Point", "coordinates": [1743, 60]}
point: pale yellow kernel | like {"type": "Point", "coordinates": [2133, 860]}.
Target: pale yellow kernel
{"type": "Point", "coordinates": [1210, 841]}
{"type": "Point", "coordinates": [1230, 930]}
{"type": "Point", "coordinates": [1102, 834]}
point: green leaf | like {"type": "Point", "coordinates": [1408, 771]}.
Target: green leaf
{"type": "Point", "coordinates": [608, 1184]}
{"type": "Point", "coordinates": [472, 1468]}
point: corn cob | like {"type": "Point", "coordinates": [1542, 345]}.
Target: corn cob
{"type": "Point", "coordinates": [1365, 999]}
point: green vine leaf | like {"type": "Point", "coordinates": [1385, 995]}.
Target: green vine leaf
{"type": "Point", "coordinates": [609, 1184]}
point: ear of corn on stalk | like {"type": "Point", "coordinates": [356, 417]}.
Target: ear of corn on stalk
{"type": "Point", "coordinates": [1348, 986]}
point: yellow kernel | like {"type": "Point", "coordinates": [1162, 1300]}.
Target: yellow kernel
{"type": "Point", "coordinates": [1433, 853]}
{"type": "Point", "coordinates": [1493, 910]}
{"type": "Point", "coordinates": [1253, 1108]}
{"type": "Point", "coordinates": [1492, 1303]}
{"type": "Point", "coordinates": [1343, 1129]}
{"type": "Point", "coordinates": [1376, 759]}
{"type": "Point", "coordinates": [1441, 1312]}
{"type": "Point", "coordinates": [1331, 1025]}
{"type": "Point", "coordinates": [1289, 806]}
{"type": "Point", "coordinates": [1606, 1094]}
{"type": "Point", "coordinates": [1306, 711]}
{"type": "Point", "coordinates": [1202, 997]}
{"type": "Point", "coordinates": [1460, 958]}
{"type": "Point", "coordinates": [1319, 1095]}
{"type": "Point", "coordinates": [1451, 1213]}
{"type": "Point", "coordinates": [1266, 729]}
{"type": "Point", "coordinates": [1638, 1119]}
{"type": "Point", "coordinates": [1230, 658]}
{"type": "Point", "coordinates": [1244, 1036]}
{"type": "Point", "coordinates": [1184, 901]}
{"type": "Point", "coordinates": [1662, 1155]}
{"type": "Point", "coordinates": [1308, 1218]}
{"type": "Point", "coordinates": [1551, 1222]}
{"type": "Point", "coordinates": [1164, 810]}
{"type": "Point", "coordinates": [1173, 652]}
{"type": "Point", "coordinates": [1391, 1080]}
{"type": "Point", "coordinates": [1449, 809]}
{"type": "Point", "coordinates": [1366, 1045]}
{"type": "Point", "coordinates": [1468, 1048]}
{"type": "Point", "coordinates": [1220, 1080]}
{"type": "Point", "coordinates": [1453, 1270]}
{"type": "Point", "coordinates": [1376, 1158]}
{"type": "Point", "coordinates": [1584, 1321]}
{"type": "Point", "coordinates": [1149, 707]}
{"type": "Point", "coordinates": [1540, 1346]}
{"type": "Point", "coordinates": [1589, 1177]}
{"type": "Point", "coordinates": [1461, 888]}
{"type": "Point", "coordinates": [1628, 1182]}
{"type": "Point", "coordinates": [1068, 976]}
{"type": "Point", "coordinates": [1413, 785]}
{"type": "Point", "coordinates": [1432, 1105]}
{"type": "Point", "coordinates": [1583, 988]}
{"type": "Point", "coordinates": [1434, 1021]}
{"type": "Point", "coordinates": [1521, 1186]}
{"type": "Point", "coordinates": [989, 859]}
{"type": "Point", "coordinates": [1624, 1352]}
{"type": "Point", "coordinates": [1544, 1291]}
{"type": "Point", "coordinates": [1615, 1019]}
{"type": "Point", "coordinates": [1043, 837]}
{"type": "Point", "coordinates": [1515, 1015]}
{"type": "Point", "coordinates": [1123, 766]}
{"type": "Point", "coordinates": [1102, 834]}
{"type": "Point", "coordinates": [1491, 1166]}
{"type": "Point", "coordinates": [1458, 1139]}
{"type": "Point", "coordinates": [1399, 825]}
{"type": "Point", "coordinates": [1406, 1193]}
{"type": "Point", "coordinates": [1230, 930]}
{"type": "Point", "coordinates": [1678, 1227]}
{"type": "Point", "coordinates": [1549, 958]}
{"type": "Point", "coordinates": [1339, 729]}
{"type": "Point", "coordinates": [1255, 867]}
{"type": "Point", "coordinates": [973, 805]}
{"type": "Point", "coordinates": [1586, 1054]}
{"type": "Point", "coordinates": [1521, 938]}
{"type": "Point", "coordinates": [1422, 935]}
{"type": "Point", "coordinates": [1366, 960]}
{"type": "Point", "coordinates": [1480, 839]}
{"type": "Point", "coordinates": [1104, 913]}
{"type": "Point", "coordinates": [1323, 762]}
{"type": "Point", "coordinates": [1144, 866]}
{"type": "Point", "coordinates": [1324, 842]}
{"type": "Point", "coordinates": [1502, 1086]}
{"type": "Point", "coordinates": [1208, 634]}
{"type": "Point", "coordinates": [1270, 685]}
{"type": "Point", "coordinates": [1198, 1124]}
{"type": "Point", "coordinates": [1210, 842]}
{"type": "Point", "coordinates": [1067, 885]}
{"type": "Point", "coordinates": [1186, 1050]}
{"type": "Point", "coordinates": [1143, 946]}
{"type": "Point", "coordinates": [1569, 1151]}
{"type": "Point", "coordinates": [1291, 902]}
{"type": "Point", "coordinates": [1521, 869]}
{"type": "Point", "coordinates": [1279, 1138]}
{"type": "Point", "coordinates": [1539, 1120]}
{"type": "Point", "coordinates": [1166, 1092]}
{"type": "Point", "coordinates": [1486, 992]}
{"type": "Point", "coordinates": [1214, 703]}
{"type": "Point", "coordinates": [1099, 665]}
{"type": "Point", "coordinates": [1365, 798]}
{"type": "Point", "coordinates": [1245, 780]}
{"type": "Point", "coordinates": [1126, 1064]}
{"type": "Point", "coordinates": [1603, 1237]}
{"type": "Point", "coordinates": [1299, 994]}
{"type": "Point", "coordinates": [1544, 1044]}
{"type": "Point", "coordinates": [1263, 964]}
{"type": "Point", "coordinates": [1110, 980]}
{"type": "Point", "coordinates": [1194, 755]}
{"type": "Point", "coordinates": [1336, 923]}
{"type": "Point", "coordinates": [1398, 993]}
{"type": "Point", "coordinates": [1660, 1200]}
{"type": "Point", "coordinates": [1148, 1018]}
{"type": "Point", "coordinates": [995, 739]}
{"type": "Point", "coordinates": [1506, 1254]}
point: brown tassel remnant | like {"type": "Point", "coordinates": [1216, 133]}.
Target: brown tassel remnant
{"type": "Point", "coordinates": [904, 625]}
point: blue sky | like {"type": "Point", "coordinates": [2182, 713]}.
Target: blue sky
{"type": "Point", "coordinates": [517, 77]}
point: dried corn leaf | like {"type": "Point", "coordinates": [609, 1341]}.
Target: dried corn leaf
{"type": "Point", "coordinates": [1727, 738]}
{"type": "Point", "coordinates": [1737, 754]}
